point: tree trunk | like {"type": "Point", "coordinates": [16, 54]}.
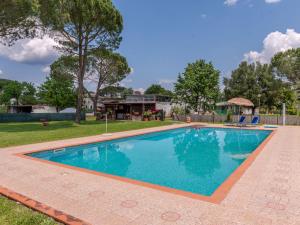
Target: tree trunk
{"type": "Point", "coordinates": [82, 63]}
{"type": "Point", "coordinates": [80, 83]}
{"type": "Point", "coordinates": [95, 101]}
{"type": "Point", "coordinates": [79, 100]}
{"type": "Point", "coordinates": [97, 94]}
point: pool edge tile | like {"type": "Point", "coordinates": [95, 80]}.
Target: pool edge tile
{"type": "Point", "coordinates": [57, 215]}
{"type": "Point", "coordinates": [216, 198]}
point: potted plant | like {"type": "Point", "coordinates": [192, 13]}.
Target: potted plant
{"type": "Point", "coordinates": [147, 115]}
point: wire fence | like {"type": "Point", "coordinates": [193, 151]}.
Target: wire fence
{"type": "Point", "coordinates": [264, 119]}
{"type": "Point", "coordinates": [31, 117]}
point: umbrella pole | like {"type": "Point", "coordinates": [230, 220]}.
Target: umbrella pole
{"type": "Point", "coordinates": [106, 134]}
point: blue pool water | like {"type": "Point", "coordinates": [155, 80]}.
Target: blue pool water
{"type": "Point", "coordinates": [188, 159]}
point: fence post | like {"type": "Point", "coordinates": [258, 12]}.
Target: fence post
{"type": "Point", "coordinates": [283, 114]}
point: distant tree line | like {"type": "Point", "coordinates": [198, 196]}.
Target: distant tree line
{"type": "Point", "coordinates": [266, 85]}
{"type": "Point", "coordinates": [88, 34]}
{"type": "Point", "coordinates": [157, 89]}
{"type": "Point", "coordinates": [60, 93]}
{"type": "Point", "coordinates": [198, 87]}
{"type": "Point", "coordinates": [19, 91]}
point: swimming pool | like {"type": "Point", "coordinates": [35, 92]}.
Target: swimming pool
{"type": "Point", "coordinates": [195, 160]}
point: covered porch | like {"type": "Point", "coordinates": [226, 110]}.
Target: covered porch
{"type": "Point", "coordinates": [128, 111]}
{"type": "Point", "coordinates": [236, 106]}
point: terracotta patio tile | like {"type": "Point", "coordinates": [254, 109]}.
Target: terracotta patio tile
{"type": "Point", "coordinates": [267, 193]}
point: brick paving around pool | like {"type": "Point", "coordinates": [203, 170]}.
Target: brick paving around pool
{"type": "Point", "coordinates": [268, 191]}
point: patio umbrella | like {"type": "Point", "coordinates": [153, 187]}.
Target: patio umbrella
{"type": "Point", "coordinates": [240, 102]}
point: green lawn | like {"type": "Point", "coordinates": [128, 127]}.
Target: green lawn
{"type": "Point", "coordinates": [12, 213]}
{"type": "Point", "coordinates": [13, 134]}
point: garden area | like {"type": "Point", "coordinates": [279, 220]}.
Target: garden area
{"type": "Point", "coordinates": [13, 134]}
{"type": "Point", "coordinates": [14, 213]}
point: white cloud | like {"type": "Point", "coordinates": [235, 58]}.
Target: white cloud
{"type": "Point", "coordinates": [125, 82]}
{"type": "Point", "coordinates": [274, 42]}
{"type": "Point", "coordinates": [272, 1]}
{"type": "Point", "coordinates": [234, 2]}
{"type": "Point", "coordinates": [4, 75]}
{"type": "Point", "coordinates": [46, 69]}
{"type": "Point", "coordinates": [33, 51]}
{"type": "Point", "coordinates": [230, 2]}
{"type": "Point", "coordinates": [131, 70]}
{"type": "Point", "coordinates": [166, 81]}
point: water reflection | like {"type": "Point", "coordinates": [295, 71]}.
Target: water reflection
{"type": "Point", "coordinates": [105, 157]}
{"type": "Point", "coordinates": [240, 144]}
{"type": "Point", "coordinates": [241, 141]}
{"type": "Point", "coordinates": [194, 160]}
{"type": "Point", "coordinates": [198, 151]}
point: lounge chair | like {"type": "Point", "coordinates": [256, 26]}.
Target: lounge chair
{"type": "Point", "coordinates": [241, 122]}
{"type": "Point", "coordinates": [254, 122]}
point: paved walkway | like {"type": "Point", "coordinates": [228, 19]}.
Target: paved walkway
{"type": "Point", "coordinates": [268, 193]}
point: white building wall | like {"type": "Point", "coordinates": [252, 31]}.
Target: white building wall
{"type": "Point", "coordinates": [88, 103]}
{"type": "Point", "coordinates": [247, 110]}
{"type": "Point", "coordinates": [43, 109]}
{"type": "Point", "coordinates": [165, 106]}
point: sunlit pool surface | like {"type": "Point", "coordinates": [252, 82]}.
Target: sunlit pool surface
{"type": "Point", "coordinates": [196, 160]}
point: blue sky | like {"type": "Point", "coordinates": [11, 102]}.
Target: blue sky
{"type": "Point", "coordinates": [161, 37]}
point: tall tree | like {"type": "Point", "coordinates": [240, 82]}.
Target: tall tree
{"type": "Point", "coordinates": [115, 91]}
{"type": "Point", "coordinates": [107, 68]}
{"type": "Point", "coordinates": [28, 96]}
{"type": "Point", "coordinates": [18, 20]}
{"type": "Point", "coordinates": [58, 92]}
{"type": "Point", "coordinates": [243, 83]}
{"type": "Point", "coordinates": [82, 26]}
{"type": "Point", "coordinates": [3, 83]}
{"type": "Point", "coordinates": [198, 86]}
{"type": "Point", "coordinates": [79, 26]}
{"type": "Point", "coordinates": [65, 67]}
{"type": "Point", "coordinates": [12, 90]}
{"type": "Point", "coordinates": [158, 90]}
{"type": "Point", "coordinates": [287, 65]}
{"type": "Point", "coordinates": [257, 83]}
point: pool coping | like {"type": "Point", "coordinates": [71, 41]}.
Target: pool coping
{"type": "Point", "coordinates": [216, 198]}
{"type": "Point", "coordinates": [57, 215]}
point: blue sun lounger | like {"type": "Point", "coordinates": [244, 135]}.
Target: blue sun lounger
{"type": "Point", "coordinates": [255, 121]}
{"type": "Point", "coordinates": [240, 123]}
